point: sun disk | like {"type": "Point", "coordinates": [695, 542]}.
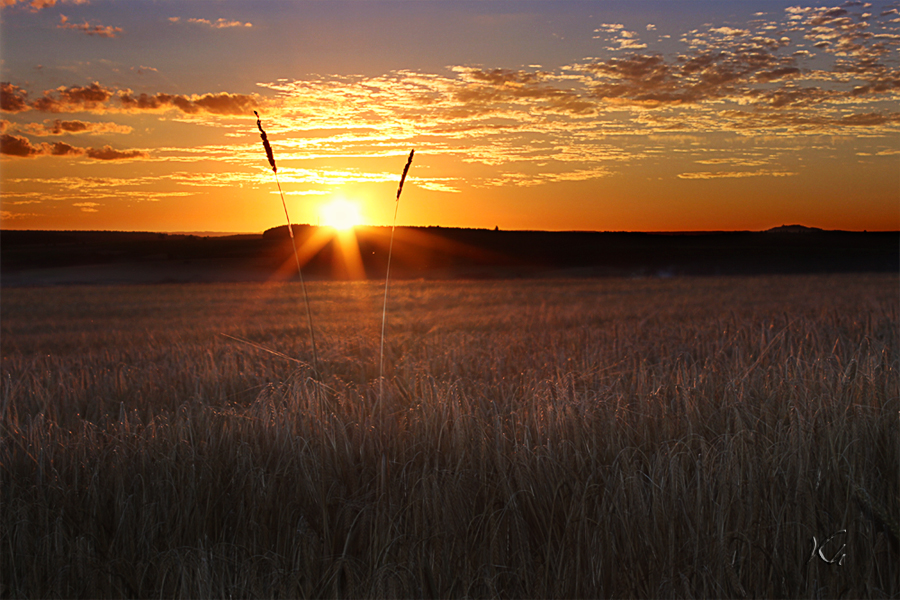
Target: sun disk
{"type": "Point", "coordinates": [341, 215]}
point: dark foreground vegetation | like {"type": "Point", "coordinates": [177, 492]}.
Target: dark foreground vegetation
{"type": "Point", "coordinates": [52, 257]}
{"type": "Point", "coordinates": [684, 438]}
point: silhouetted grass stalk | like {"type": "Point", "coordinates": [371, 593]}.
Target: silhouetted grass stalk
{"type": "Point", "coordinates": [387, 275]}
{"type": "Point", "coordinates": [271, 157]}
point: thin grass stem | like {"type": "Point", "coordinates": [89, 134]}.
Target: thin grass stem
{"type": "Point", "coordinates": [387, 276]}
{"type": "Point", "coordinates": [271, 157]}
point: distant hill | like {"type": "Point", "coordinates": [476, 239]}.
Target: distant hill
{"type": "Point", "coordinates": [53, 257]}
{"type": "Point", "coordinates": [794, 229]}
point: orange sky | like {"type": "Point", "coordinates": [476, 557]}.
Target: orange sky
{"type": "Point", "coordinates": [651, 116]}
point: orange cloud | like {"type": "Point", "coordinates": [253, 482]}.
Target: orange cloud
{"type": "Point", "coordinates": [107, 31]}
{"type": "Point", "coordinates": [36, 5]}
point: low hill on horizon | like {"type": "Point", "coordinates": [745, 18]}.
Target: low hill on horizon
{"type": "Point", "coordinates": [57, 257]}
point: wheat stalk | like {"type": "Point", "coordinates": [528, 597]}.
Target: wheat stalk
{"type": "Point", "coordinates": [387, 276]}
{"type": "Point", "coordinates": [271, 157]}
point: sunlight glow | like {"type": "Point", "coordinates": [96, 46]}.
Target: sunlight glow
{"type": "Point", "coordinates": [341, 215]}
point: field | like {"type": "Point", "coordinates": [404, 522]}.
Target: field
{"type": "Point", "coordinates": [683, 437]}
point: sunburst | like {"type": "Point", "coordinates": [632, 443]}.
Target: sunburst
{"type": "Point", "coordinates": [341, 215]}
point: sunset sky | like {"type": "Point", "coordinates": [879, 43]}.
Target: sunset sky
{"type": "Point", "coordinates": [557, 115]}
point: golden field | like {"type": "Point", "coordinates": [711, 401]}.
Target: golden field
{"type": "Point", "coordinates": [708, 437]}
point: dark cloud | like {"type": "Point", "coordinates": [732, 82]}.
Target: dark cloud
{"type": "Point", "coordinates": [777, 74]}
{"type": "Point", "coordinates": [73, 99]}
{"type": "Point", "coordinates": [640, 79]}
{"type": "Point", "coordinates": [109, 153]}
{"type": "Point", "coordinates": [13, 145]}
{"type": "Point", "coordinates": [483, 91]}
{"type": "Point", "coordinates": [870, 119]}
{"type": "Point", "coordinates": [98, 98]}
{"type": "Point", "coordinates": [69, 126]}
{"type": "Point", "coordinates": [74, 127]}
{"type": "Point", "coordinates": [63, 149]}
{"type": "Point", "coordinates": [805, 121]}
{"type": "Point", "coordinates": [652, 80]}
{"type": "Point", "coordinates": [793, 96]}
{"type": "Point", "coordinates": [216, 104]}
{"type": "Point", "coordinates": [13, 98]}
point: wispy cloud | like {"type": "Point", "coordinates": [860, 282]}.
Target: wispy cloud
{"type": "Point", "coordinates": [87, 206]}
{"type": "Point", "coordinates": [8, 215]}
{"type": "Point", "coordinates": [36, 5]}
{"type": "Point", "coordinates": [107, 31]}
{"type": "Point", "coordinates": [217, 24]}
{"type": "Point", "coordinates": [735, 174]}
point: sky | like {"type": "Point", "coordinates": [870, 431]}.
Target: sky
{"type": "Point", "coordinates": [631, 115]}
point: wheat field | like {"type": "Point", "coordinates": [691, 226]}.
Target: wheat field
{"type": "Point", "coordinates": [671, 438]}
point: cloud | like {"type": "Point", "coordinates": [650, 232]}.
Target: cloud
{"type": "Point", "coordinates": [481, 90]}
{"type": "Point", "coordinates": [109, 153]}
{"type": "Point", "coordinates": [216, 104]}
{"type": "Point", "coordinates": [817, 121]}
{"type": "Point", "coordinates": [743, 65]}
{"type": "Point", "coordinates": [6, 215]}
{"type": "Point", "coordinates": [4, 125]}
{"type": "Point", "coordinates": [730, 31]}
{"type": "Point", "coordinates": [95, 97]}
{"type": "Point", "coordinates": [59, 127]}
{"type": "Point", "coordinates": [36, 5]}
{"type": "Point", "coordinates": [18, 146]}
{"type": "Point", "coordinates": [617, 34]}
{"type": "Point", "coordinates": [217, 24]}
{"type": "Point", "coordinates": [73, 99]}
{"type": "Point", "coordinates": [107, 31]}
{"type": "Point", "coordinates": [13, 99]}
{"type": "Point", "coordinates": [735, 174]}
{"type": "Point", "coordinates": [13, 145]}
{"type": "Point", "coordinates": [87, 206]}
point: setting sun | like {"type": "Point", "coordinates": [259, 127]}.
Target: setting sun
{"type": "Point", "coordinates": [341, 215]}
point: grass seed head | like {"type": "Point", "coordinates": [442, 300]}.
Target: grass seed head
{"type": "Point", "coordinates": [268, 147]}
{"type": "Point", "coordinates": [405, 171]}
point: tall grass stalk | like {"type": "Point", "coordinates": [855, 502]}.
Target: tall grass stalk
{"type": "Point", "coordinates": [271, 157]}
{"type": "Point", "coordinates": [387, 275]}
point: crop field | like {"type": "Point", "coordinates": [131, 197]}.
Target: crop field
{"type": "Point", "coordinates": [664, 438]}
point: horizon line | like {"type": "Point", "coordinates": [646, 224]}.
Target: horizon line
{"type": "Point", "coordinates": [659, 232]}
